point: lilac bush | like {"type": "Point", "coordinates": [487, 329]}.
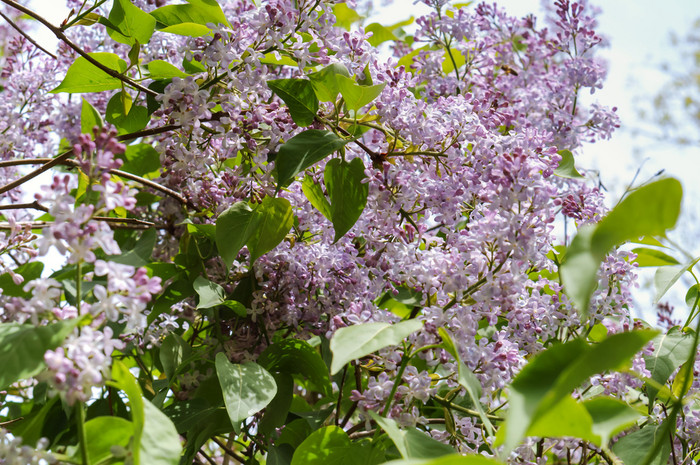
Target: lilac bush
{"type": "Point", "coordinates": [290, 238]}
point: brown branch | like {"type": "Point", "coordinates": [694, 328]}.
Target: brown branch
{"type": "Point", "coordinates": [114, 223]}
{"type": "Point", "coordinates": [26, 36]}
{"type": "Point", "coordinates": [230, 451]}
{"type": "Point", "coordinates": [51, 162]}
{"type": "Point", "coordinates": [147, 132]}
{"type": "Point", "coordinates": [61, 36]}
{"type": "Point", "coordinates": [48, 164]}
{"type": "Point", "coordinates": [9, 422]}
{"type": "Point", "coordinates": [18, 206]}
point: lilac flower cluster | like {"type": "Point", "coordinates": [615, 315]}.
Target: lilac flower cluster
{"type": "Point", "coordinates": [12, 452]}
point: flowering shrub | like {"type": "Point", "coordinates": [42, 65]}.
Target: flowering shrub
{"type": "Point", "coordinates": [288, 239]}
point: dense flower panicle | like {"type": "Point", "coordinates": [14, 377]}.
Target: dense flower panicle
{"type": "Point", "coordinates": [460, 151]}
{"type": "Point", "coordinates": [12, 452]}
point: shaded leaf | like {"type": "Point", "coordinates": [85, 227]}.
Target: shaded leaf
{"type": "Point", "coordinates": [247, 388]}
{"type": "Point", "coordinates": [210, 294]}
{"type": "Point", "coordinates": [304, 150]}
{"type": "Point", "coordinates": [300, 98]}
{"type": "Point", "coordinates": [275, 220]}
{"type": "Point", "coordinates": [410, 442]}
{"type": "Point", "coordinates": [347, 192]}
{"type": "Point", "coordinates": [314, 194]}
{"type": "Point", "coordinates": [671, 350]}
{"type": "Point", "coordinates": [234, 227]}
{"type": "Point", "coordinates": [293, 357]}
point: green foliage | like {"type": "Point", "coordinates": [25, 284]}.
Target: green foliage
{"type": "Point", "coordinates": [356, 341]}
{"type": "Point", "coordinates": [22, 348]}
{"type": "Point", "coordinates": [304, 150]}
{"type": "Point", "coordinates": [566, 168]}
{"type": "Point", "coordinates": [134, 25]}
{"type": "Point", "coordinates": [347, 191]}
{"type": "Point", "coordinates": [300, 98]}
{"type": "Point", "coordinates": [650, 210]}
{"type": "Point", "coordinates": [410, 442]}
{"type": "Point", "coordinates": [83, 76]}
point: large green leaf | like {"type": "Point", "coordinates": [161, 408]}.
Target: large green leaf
{"type": "Point", "coordinates": [83, 76]}
{"type": "Point", "coordinates": [325, 82]}
{"type": "Point", "coordinates": [126, 117]}
{"type": "Point", "coordinates": [141, 159]}
{"type": "Point", "coordinates": [234, 227]}
{"type": "Point", "coordinates": [104, 433]}
{"type": "Point", "coordinates": [22, 348]}
{"type": "Point", "coordinates": [173, 350]}
{"type": "Point", "coordinates": [303, 150]}
{"type": "Point", "coordinates": [124, 380]}
{"type": "Point", "coordinates": [210, 294]}
{"type": "Point", "coordinates": [357, 96]}
{"type": "Point", "coordinates": [247, 388]}
{"type": "Point", "coordinates": [294, 357]}
{"type": "Point", "coordinates": [610, 416]}
{"type": "Point", "coordinates": [652, 257]}
{"type": "Point", "coordinates": [135, 25]}
{"type": "Point", "coordinates": [160, 69]}
{"type": "Point", "coordinates": [195, 11]}
{"type": "Point", "coordinates": [299, 96]}
{"type": "Point", "coordinates": [160, 442]}
{"type": "Point", "coordinates": [410, 442]}
{"type": "Point", "coordinates": [666, 276]}
{"type": "Point", "coordinates": [29, 271]}
{"type": "Point", "coordinates": [671, 350]}
{"type": "Point", "coordinates": [567, 418]}
{"type": "Point", "coordinates": [356, 341]}
{"type": "Point", "coordinates": [330, 445]}
{"type": "Point", "coordinates": [347, 192]}
{"type": "Point", "coordinates": [276, 218]}
{"type": "Point", "coordinates": [314, 194]}
{"type": "Point", "coordinates": [649, 211]}
{"type": "Point", "coordinates": [556, 372]}
{"type": "Point", "coordinates": [634, 447]}
{"type": "Point", "coordinates": [380, 34]}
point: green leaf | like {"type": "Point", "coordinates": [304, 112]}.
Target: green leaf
{"type": "Point", "coordinates": [451, 58]}
{"type": "Point", "coordinates": [380, 34]}
{"type": "Point", "coordinates": [283, 60]}
{"type": "Point", "coordinates": [134, 24]}
{"type": "Point", "coordinates": [22, 348]}
{"type": "Point", "coordinates": [356, 341]}
{"type": "Point", "coordinates": [652, 257]}
{"type": "Point", "coordinates": [410, 442]}
{"type": "Point", "coordinates": [103, 433]}
{"type": "Point", "coordinates": [173, 350]}
{"type": "Point", "coordinates": [345, 16]}
{"type": "Point", "coordinates": [296, 357]}
{"type": "Point", "coordinates": [234, 227]}
{"type": "Point", "coordinates": [691, 297]}
{"type": "Point", "coordinates": [448, 460]}
{"type": "Point", "coordinates": [275, 220]}
{"type": "Point", "coordinates": [304, 150]}
{"type": "Point", "coordinates": [140, 254]}
{"type": "Point", "coordinates": [555, 373]}
{"type": "Point", "coordinates": [671, 350]}
{"type": "Point", "coordinates": [210, 294]}
{"type": "Point", "coordinates": [247, 388]}
{"type": "Point", "coordinates": [29, 271]}
{"type": "Point", "coordinates": [141, 160]}
{"type": "Point", "coordinates": [634, 447]}
{"type": "Point", "coordinates": [330, 445]}
{"type": "Point", "coordinates": [160, 69]}
{"type": "Point", "coordinates": [347, 192]}
{"type": "Point", "coordinates": [314, 194]}
{"type": "Point", "coordinates": [83, 76]}
{"type": "Point", "coordinates": [187, 29]}
{"type": "Point", "coordinates": [124, 380]}
{"type": "Point", "coordinates": [125, 116]}
{"type": "Point", "coordinates": [648, 211]}
{"type": "Point", "coordinates": [325, 82]}
{"type": "Point", "coordinates": [160, 442]}
{"type": "Point", "coordinates": [89, 118]}
{"type": "Point", "coordinates": [610, 416]}
{"type": "Point", "coordinates": [196, 11]}
{"type": "Point", "coordinates": [467, 379]}
{"type": "Point", "coordinates": [566, 168]}
{"type": "Point", "coordinates": [278, 408]}
{"type": "Point", "coordinates": [355, 95]}
{"type": "Point", "coordinates": [566, 418]}
{"type": "Point", "coordinates": [666, 276]}
{"type": "Point", "coordinates": [300, 98]}
{"type": "Point", "coordinates": [31, 428]}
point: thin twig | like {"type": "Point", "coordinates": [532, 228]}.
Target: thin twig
{"type": "Point", "coordinates": [19, 206]}
{"type": "Point", "coordinates": [51, 162]}
{"type": "Point", "coordinates": [47, 166]}
{"type": "Point", "coordinates": [114, 223]}
{"type": "Point", "coordinates": [26, 36]}
{"type": "Point", "coordinates": [61, 36]}
{"type": "Point", "coordinates": [9, 422]}
{"type": "Point", "coordinates": [147, 132]}
{"type": "Point", "coordinates": [209, 459]}
{"type": "Point", "coordinates": [229, 451]}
